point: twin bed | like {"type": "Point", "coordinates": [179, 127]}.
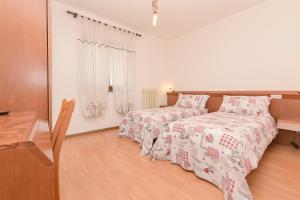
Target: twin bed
{"type": "Point", "coordinates": [145, 126]}
{"type": "Point", "coordinates": [221, 147]}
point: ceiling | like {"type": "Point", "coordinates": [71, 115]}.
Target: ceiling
{"type": "Point", "coordinates": [175, 17]}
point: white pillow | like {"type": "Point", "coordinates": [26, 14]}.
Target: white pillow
{"type": "Point", "coordinates": [192, 101]}
{"type": "Point", "coordinates": [248, 105]}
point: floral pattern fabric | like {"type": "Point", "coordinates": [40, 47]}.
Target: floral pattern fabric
{"type": "Point", "coordinates": [192, 101]}
{"type": "Point", "coordinates": [219, 147]}
{"type": "Point", "coordinates": [146, 125]}
{"type": "Point", "coordinates": [250, 105]}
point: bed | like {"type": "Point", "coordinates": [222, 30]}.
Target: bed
{"type": "Point", "coordinates": [221, 147]}
{"type": "Point", "coordinates": [144, 126]}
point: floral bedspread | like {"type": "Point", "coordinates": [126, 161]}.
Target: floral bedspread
{"type": "Point", "coordinates": [146, 125]}
{"type": "Point", "coordinates": [219, 147]}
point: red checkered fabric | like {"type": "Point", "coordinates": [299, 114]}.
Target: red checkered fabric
{"type": "Point", "coordinates": [229, 184]}
{"type": "Point", "coordinates": [169, 139]}
{"type": "Point", "coordinates": [229, 142]}
{"type": "Point", "coordinates": [148, 120]}
{"type": "Point", "coordinates": [213, 153]}
{"type": "Point", "coordinates": [178, 159]}
{"type": "Point", "coordinates": [178, 127]}
{"type": "Point", "coordinates": [184, 163]}
{"type": "Point", "coordinates": [183, 154]}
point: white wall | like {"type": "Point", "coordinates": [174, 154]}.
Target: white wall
{"type": "Point", "coordinates": [150, 70]}
{"type": "Point", "coordinates": [257, 49]}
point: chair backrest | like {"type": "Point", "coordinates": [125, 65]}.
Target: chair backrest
{"type": "Point", "coordinates": [61, 127]}
{"type": "Point", "coordinates": [57, 138]}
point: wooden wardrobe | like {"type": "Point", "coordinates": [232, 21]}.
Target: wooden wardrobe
{"type": "Point", "coordinates": [26, 159]}
{"type": "Point", "coordinates": [24, 56]}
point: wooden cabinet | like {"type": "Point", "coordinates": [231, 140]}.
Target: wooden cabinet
{"type": "Point", "coordinates": [26, 160]}
{"type": "Point", "coordinates": [24, 56]}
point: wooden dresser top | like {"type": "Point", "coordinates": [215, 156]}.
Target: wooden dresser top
{"type": "Point", "coordinates": [25, 129]}
{"type": "Point", "coordinates": [17, 127]}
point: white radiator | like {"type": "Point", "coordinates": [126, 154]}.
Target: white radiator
{"type": "Point", "coordinates": [149, 98]}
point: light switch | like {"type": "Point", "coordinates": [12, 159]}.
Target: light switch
{"type": "Point", "coordinates": [276, 96]}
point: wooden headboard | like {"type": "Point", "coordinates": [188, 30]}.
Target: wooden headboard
{"type": "Point", "coordinates": [287, 107]}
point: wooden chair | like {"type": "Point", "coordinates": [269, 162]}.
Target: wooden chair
{"type": "Point", "coordinates": [58, 135]}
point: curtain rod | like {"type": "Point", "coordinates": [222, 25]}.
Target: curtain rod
{"type": "Point", "coordinates": [75, 15]}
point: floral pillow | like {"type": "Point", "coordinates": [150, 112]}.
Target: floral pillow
{"type": "Point", "coordinates": [248, 105]}
{"type": "Point", "coordinates": [192, 101]}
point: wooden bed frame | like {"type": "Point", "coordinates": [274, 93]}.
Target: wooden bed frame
{"type": "Point", "coordinates": [287, 107]}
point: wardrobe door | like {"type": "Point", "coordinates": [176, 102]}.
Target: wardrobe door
{"type": "Point", "coordinates": [23, 56]}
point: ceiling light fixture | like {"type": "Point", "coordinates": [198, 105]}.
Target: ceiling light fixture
{"type": "Point", "coordinates": [155, 11]}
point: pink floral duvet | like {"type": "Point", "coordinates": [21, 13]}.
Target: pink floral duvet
{"type": "Point", "coordinates": [146, 125]}
{"type": "Point", "coordinates": [219, 147]}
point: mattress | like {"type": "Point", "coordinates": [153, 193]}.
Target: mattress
{"type": "Point", "coordinates": [219, 147]}
{"type": "Point", "coordinates": [144, 126]}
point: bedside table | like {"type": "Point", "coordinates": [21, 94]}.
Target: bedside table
{"type": "Point", "coordinates": [290, 124]}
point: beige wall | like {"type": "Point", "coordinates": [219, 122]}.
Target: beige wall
{"type": "Point", "coordinates": [256, 49]}
{"type": "Point", "coordinates": [151, 62]}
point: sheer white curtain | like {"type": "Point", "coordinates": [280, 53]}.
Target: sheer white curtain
{"type": "Point", "coordinates": [93, 70]}
{"type": "Point", "coordinates": [122, 62]}
{"type": "Point", "coordinates": [106, 55]}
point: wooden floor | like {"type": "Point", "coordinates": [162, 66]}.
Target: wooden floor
{"type": "Point", "coordinates": [103, 166]}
